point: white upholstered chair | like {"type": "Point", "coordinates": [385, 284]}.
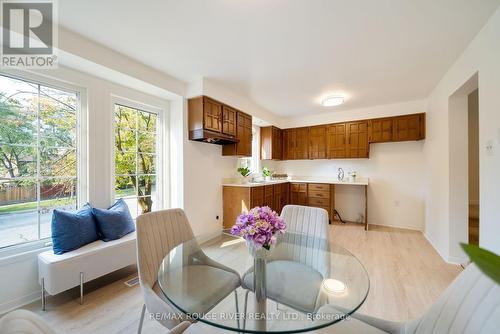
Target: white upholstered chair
{"type": "Point", "coordinates": [24, 322]}
{"type": "Point", "coordinates": [470, 305]}
{"type": "Point", "coordinates": [157, 234]}
{"type": "Point", "coordinates": [302, 256]}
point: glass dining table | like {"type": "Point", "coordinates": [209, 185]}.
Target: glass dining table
{"type": "Point", "coordinates": [303, 283]}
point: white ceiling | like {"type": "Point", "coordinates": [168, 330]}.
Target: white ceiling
{"type": "Point", "coordinates": [286, 54]}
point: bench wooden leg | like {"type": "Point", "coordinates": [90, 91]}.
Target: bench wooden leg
{"type": "Point", "coordinates": [81, 288]}
{"type": "Point", "coordinates": [43, 294]}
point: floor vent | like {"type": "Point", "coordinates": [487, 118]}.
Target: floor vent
{"type": "Point", "coordinates": [132, 282]}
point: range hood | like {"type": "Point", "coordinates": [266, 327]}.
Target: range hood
{"type": "Point", "coordinates": [211, 137]}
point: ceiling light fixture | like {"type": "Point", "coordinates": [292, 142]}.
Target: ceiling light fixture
{"type": "Point", "coordinates": [332, 101]}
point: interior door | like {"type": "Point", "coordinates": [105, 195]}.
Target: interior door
{"type": "Point", "coordinates": [336, 141]}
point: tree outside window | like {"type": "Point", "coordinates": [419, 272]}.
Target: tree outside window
{"type": "Point", "coordinates": [136, 158]}
{"type": "Point", "coordinates": [38, 158]}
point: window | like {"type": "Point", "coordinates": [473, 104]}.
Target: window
{"type": "Point", "coordinates": [136, 159]}
{"type": "Point", "coordinates": [38, 158]}
{"type": "Point", "coordinates": [253, 162]}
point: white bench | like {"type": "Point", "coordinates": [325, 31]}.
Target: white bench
{"type": "Point", "coordinates": [58, 273]}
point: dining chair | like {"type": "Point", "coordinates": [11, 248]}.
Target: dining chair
{"type": "Point", "coordinates": [157, 234]}
{"type": "Point", "coordinates": [299, 262]}
{"type": "Point", "coordinates": [24, 321]}
{"type": "Point", "coordinates": [470, 305]}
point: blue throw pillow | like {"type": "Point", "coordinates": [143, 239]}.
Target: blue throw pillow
{"type": "Point", "coordinates": [72, 230]}
{"type": "Point", "coordinates": [114, 222]}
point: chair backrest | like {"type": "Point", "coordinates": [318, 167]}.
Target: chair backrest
{"type": "Point", "coordinates": [157, 234]}
{"type": "Point", "coordinates": [313, 248]}
{"type": "Point", "coordinates": [24, 321]}
{"type": "Point", "coordinates": [471, 304]}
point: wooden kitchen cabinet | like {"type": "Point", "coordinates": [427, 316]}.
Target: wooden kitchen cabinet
{"type": "Point", "coordinates": [336, 141]}
{"type": "Point", "coordinates": [298, 193]}
{"type": "Point", "coordinates": [244, 136]}
{"type": "Point", "coordinates": [380, 130]}
{"type": "Point", "coordinates": [212, 111]}
{"type": "Point", "coordinates": [289, 143]}
{"type": "Point", "coordinates": [321, 195]}
{"type": "Point", "coordinates": [285, 195]}
{"type": "Point", "coordinates": [228, 120]}
{"type": "Point", "coordinates": [277, 200]}
{"type": "Point", "coordinates": [271, 143]}
{"type": "Point", "coordinates": [269, 196]}
{"type": "Point", "coordinates": [409, 127]}
{"type": "Point", "coordinates": [317, 142]}
{"type": "Point", "coordinates": [302, 144]}
{"type": "Point", "coordinates": [257, 198]}
{"type": "Point", "coordinates": [357, 139]}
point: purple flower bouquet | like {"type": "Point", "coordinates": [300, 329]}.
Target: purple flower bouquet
{"type": "Point", "coordinates": [259, 227]}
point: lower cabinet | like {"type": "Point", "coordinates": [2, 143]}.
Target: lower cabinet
{"type": "Point", "coordinates": [238, 199]}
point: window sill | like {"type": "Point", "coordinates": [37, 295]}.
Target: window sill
{"type": "Point", "coordinates": [17, 253]}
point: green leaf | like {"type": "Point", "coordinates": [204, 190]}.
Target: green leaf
{"type": "Point", "coordinates": [487, 262]}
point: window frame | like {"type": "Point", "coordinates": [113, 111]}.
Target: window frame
{"type": "Point", "coordinates": [81, 149]}
{"type": "Point", "coordinates": [160, 148]}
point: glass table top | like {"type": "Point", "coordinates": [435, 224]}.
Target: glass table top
{"type": "Point", "coordinates": [303, 283]}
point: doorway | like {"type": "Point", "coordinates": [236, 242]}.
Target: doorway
{"type": "Point", "coordinates": [473, 157]}
{"type": "Point", "coordinates": [463, 179]}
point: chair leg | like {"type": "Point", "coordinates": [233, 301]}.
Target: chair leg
{"type": "Point", "coordinates": [43, 294]}
{"type": "Point", "coordinates": [139, 330]}
{"type": "Point", "coordinates": [81, 288]}
{"type": "Point", "coordinates": [237, 309]}
{"type": "Point", "coordinates": [245, 310]}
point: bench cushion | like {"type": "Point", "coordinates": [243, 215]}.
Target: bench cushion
{"type": "Point", "coordinates": [62, 272]}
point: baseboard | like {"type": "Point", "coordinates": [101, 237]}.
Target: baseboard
{"type": "Point", "coordinates": [448, 259]}
{"type": "Point", "coordinates": [19, 302]}
{"type": "Point", "coordinates": [412, 228]}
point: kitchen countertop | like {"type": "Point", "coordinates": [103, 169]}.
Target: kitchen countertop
{"type": "Point", "coordinates": [357, 182]}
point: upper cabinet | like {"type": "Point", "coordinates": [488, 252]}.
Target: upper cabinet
{"type": "Point", "coordinates": [357, 139]}
{"type": "Point", "coordinates": [302, 143]}
{"type": "Point", "coordinates": [398, 128]}
{"type": "Point", "coordinates": [380, 130]}
{"type": "Point", "coordinates": [317, 142]}
{"type": "Point", "coordinates": [271, 143]}
{"type": "Point", "coordinates": [336, 141]}
{"type": "Point", "coordinates": [409, 127]}
{"type": "Point", "coordinates": [211, 121]}
{"type": "Point", "coordinates": [296, 143]}
{"type": "Point", "coordinates": [346, 140]}
{"type": "Point", "coordinates": [244, 136]}
{"type": "Point", "coordinates": [229, 120]}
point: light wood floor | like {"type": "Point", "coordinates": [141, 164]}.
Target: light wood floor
{"type": "Point", "coordinates": [406, 276]}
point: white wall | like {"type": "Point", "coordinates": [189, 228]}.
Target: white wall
{"type": "Point", "coordinates": [481, 57]}
{"type": "Point", "coordinates": [395, 170]}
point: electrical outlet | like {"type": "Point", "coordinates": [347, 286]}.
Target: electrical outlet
{"type": "Point", "coordinates": [489, 147]}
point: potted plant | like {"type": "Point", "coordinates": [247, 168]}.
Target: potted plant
{"type": "Point", "coordinates": [266, 173]}
{"type": "Point", "coordinates": [244, 172]}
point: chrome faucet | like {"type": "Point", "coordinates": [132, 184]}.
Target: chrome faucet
{"type": "Point", "coordinates": [340, 175]}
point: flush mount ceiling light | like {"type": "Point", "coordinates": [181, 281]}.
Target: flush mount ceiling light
{"type": "Point", "coordinates": [332, 101]}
